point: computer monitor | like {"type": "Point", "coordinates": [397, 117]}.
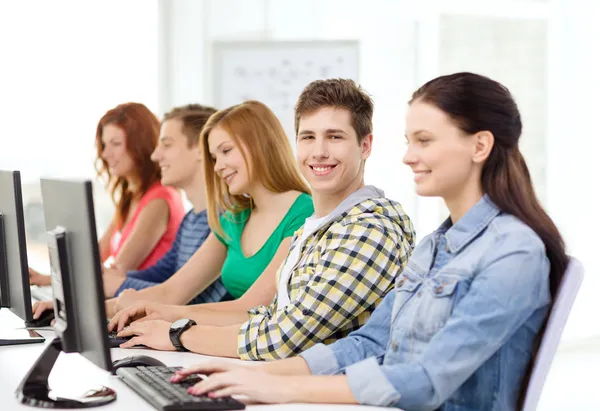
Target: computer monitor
{"type": "Point", "coordinates": [14, 270]}
{"type": "Point", "coordinates": [78, 295]}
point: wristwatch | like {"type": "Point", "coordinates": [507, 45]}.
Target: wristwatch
{"type": "Point", "coordinates": [178, 328]}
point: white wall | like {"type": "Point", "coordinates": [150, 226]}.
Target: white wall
{"type": "Point", "coordinates": [573, 178]}
{"type": "Point", "coordinates": [395, 59]}
{"type": "Point", "coordinates": [192, 26]}
{"type": "Point", "coordinates": [63, 65]}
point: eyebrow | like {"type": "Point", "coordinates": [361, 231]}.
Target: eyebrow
{"type": "Point", "coordinates": [418, 132]}
{"type": "Point", "coordinates": [328, 131]}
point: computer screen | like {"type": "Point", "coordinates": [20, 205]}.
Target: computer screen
{"type": "Point", "coordinates": [75, 269]}
{"type": "Point", "coordinates": [14, 270]}
{"type": "Point", "coordinates": [78, 295]}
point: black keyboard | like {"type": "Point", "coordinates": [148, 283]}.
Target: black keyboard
{"type": "Point", "coordinates": [114, 341]}
{"type": "Point", "coordinates": [152, 384]}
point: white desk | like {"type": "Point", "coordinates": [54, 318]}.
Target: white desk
{"type": "Point", "coordinates": [73, 369]}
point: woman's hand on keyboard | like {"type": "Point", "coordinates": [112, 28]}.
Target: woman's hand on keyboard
{"type": "Point", "coordinates": [255, 385]}
{"type": "Point", "coordinates": [35, 278]}
{"type": "Point", "coordinates": [41, 306]}
{"type": "Point", "coordinates": [210, 367]}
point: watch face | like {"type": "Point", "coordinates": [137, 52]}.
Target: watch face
{"type": "Point", "coordinates": [179, 323]}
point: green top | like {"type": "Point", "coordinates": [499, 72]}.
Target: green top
{"type": "Point", "coordinates": [239, 272]}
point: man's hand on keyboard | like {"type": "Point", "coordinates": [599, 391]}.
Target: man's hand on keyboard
{"type": "Point", "coordinates": [144, 311]}
{"type": "Point", "coordinates": [152, 334]}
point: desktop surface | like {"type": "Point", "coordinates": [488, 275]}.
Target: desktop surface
{"type": "Point", "coordinates": [72, 371]}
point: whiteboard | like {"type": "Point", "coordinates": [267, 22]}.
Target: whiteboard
{"type": "Point", "coordinates": [276, 72]}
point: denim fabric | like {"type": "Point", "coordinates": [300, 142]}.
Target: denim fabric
{"type": "Point", "coordinates": [457, 332]}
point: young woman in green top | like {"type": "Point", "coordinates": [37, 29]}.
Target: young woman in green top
{"type": "Point", "coordinates": [256, 201]}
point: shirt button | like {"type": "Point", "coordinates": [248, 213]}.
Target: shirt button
{"type": "Point", "coordinates": [401, 282]}
{"type": "Point", "coordinates": [419, 293]}
{"type": "Point", "coordinates": [394, 346]}
{"type": "Point", "coordinates": [439, 289]}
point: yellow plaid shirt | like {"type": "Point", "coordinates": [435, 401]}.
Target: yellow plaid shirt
{"type": "Point", "coordinates": [344, 271]}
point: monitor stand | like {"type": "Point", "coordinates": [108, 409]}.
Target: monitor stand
{"type": "Point", "coordinates": [34, 389]}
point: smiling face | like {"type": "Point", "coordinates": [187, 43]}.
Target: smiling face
{"type": "Point", "coordinates": [114, 152]}
{"type": "Point", "coordinates": [179, 162]}
{"type": "Point", "coordinates": [228, 161]}
{"type": "Point", "coordinates": [329, 153]}
{"type": "Point", "coordinates": [439, 153]}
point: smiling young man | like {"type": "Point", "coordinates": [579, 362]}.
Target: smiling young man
{"type": "Point", "coordinates": [340, 264]}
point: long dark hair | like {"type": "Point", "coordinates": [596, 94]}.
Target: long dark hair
{"type": "Point", "coordinates": [476, 103]}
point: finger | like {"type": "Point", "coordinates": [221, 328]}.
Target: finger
{"type": "Point", "coordinates": [123, 319]}
{"type": "Point", "coordinates": [112, 323]}
{"type": "Point", "coordinates": [41, 307]}
{"type": "Point", "coordinates": [214, 383]}
{"type": "Point", "coordinates": [131, 342]}
{"type": "Point", "coordinates": [34, 309]}
{"type": "Point", "coordinates": [131, 330]}
{"type": "Point", "coordinates": [204, 368]}
{"type": "Point", "coordinates": [227, 392]}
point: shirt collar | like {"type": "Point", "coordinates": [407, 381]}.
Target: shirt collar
{"type": "Point", "coordinates": [470, 225]}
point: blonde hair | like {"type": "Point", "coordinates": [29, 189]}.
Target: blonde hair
{"type": "Point", "coordinates": [270, 160]}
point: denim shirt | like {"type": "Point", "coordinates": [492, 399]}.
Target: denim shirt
{"type": "Point", "coordinates": [457, 331]}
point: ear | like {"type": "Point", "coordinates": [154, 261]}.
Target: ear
{"type": "Point", "coordinates": [198, 153]}
{"type": "Point", "coordinates": [366, 144]}
{"type": "Point", "coordinates": [484, 142]}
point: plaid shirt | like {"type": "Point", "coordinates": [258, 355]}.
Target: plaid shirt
{"type": "Point", "coordinates": [344, 271]}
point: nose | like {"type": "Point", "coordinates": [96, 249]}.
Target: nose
{"type": "Point", "coordinates": [219, 165]}
{"type": "Point", "coordinates": [410, 157]}
{"type": "Point", "coordinates": [105, 152]}
{"type": "Point", "coordinates": [155, 156]}
{"type": "Point", "coordinates": [320, 148]}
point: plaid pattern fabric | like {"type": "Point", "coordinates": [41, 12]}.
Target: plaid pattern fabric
{"type": "Point", "coordinates": [344, 271]}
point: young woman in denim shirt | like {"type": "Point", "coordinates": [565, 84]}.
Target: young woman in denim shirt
{"type": "Point", "coordinates": [459, 330]}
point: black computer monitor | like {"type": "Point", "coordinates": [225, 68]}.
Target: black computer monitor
{"type": "Point", "coordinates": [78, 294]}
{"type": "Point", "coordinates": [14, 270]}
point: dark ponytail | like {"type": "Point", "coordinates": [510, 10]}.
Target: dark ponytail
{"type": "Point", "coordinates": [476, 103]}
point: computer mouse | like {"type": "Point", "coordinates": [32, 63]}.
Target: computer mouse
{"type": "Point", "coordinates": [43, 321]}
{"type": "Point", "coordinates": [137, 361]}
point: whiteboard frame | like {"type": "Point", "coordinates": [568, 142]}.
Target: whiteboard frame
{"type": "Point", "coordinates": [220, 46]}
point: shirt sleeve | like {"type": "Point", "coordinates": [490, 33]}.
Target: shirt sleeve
{"type": "Point", "coordinates": [368, 341]}
{"type": "Point", "coordinates": [510, 289]}
{"type": "Point", "coordinates": [358, 265]}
